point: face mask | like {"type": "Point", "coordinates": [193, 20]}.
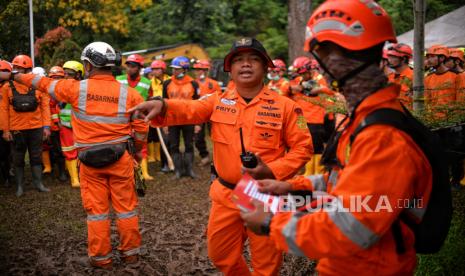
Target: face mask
{"type": "Point", "coordinates": [275, 78]}
{"type": "Point", "coordinates": [180, 76]}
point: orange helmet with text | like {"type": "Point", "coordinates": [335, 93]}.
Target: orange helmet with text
{"type": "Point", "coordinates": [352, 24]}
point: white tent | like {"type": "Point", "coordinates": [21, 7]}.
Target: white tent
{"type": "Point", "coordinates": [448, 30]}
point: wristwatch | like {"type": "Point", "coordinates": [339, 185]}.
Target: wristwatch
{"type": "Point", "coordinates": [265, 227]}
{"type": "Point", "coordinates": [12, 75]}
{"type": "Point", "coordinates": [162, 100]}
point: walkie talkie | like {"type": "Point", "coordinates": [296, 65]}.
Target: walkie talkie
{"type": "Point", "coordinates": [248, 159]}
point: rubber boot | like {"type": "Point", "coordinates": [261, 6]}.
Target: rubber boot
{"type": "Point", "coordinates": [189, 163]}
{"type": "Point", "coordinates": [165, 169]}
{"type": "Point", "coordinates": [151, 152]}
{"type": "Point", "coordinates": [19, 178]}
{"type": "Point", "coordinates": [46, 162]}
{"type": "Point", "coordinates": [177, 165]}
{"type": "Point", "coordinates": [157, 151]}
{"type": "Point", "coordinates": [145, 169]}
{"type": "Point", "coordinates": [309, 168]}
{"type": "Point", "coordinates": [37, 179]}
{"type": "Point", "coordinates": [71, 165]}
{"type": "Point", "coordinates": [318, 168]}
{"type": "Point", "coordinates": [61, 170]}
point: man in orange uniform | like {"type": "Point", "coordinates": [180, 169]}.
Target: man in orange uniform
{"type": "Point", "coordinates": [271, 129]}
{"type": "Point", "coordinates": [56, 72]}
{"type": "Point", "coordinates": [399, 56]}
{"type": "Point", "coordinates": [101, 125]}
{"type": "Point", "coordinates": [440, 85]}
{"type": "Point", "coordinates": [457, 60]}
{"type": "Point", "coordinates": [154, 152]}
{"type": "Point", "coordinates": [276, 76]}
{"type": "Point", "coordinates": [206, 86]}
{"type": "Point", "coordinates": [26, 116]}
{"type": "Point", "coordinates": [348, 241]}
{"type": "Point", "coordinates": [5, 151]}
{"type": "Point", "coordinates": [306, 94]}
{"type": "Point", "coordinates": [181, 86]}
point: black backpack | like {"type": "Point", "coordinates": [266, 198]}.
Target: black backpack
{"type": "Point", "coordinates": [432, 231]}
{"type": "Point", "coordinates": [23, 102]}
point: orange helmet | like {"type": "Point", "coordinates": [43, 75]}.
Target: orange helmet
{"type": "Point", "coordinates": [158, 63]}
{"type": "Point", "coordinates": [279, 64]}
{"type": "Point", "coordinates": [456, 53]}
{"type": "Point", "coordinates": [400, 50]}
{"type": "Point", "coordinates": [5, 66]}
{"type": "Point", "coordinates": [56, 71]}
{"type": "Point", "coordinates": [22, 61]}
{"type": "Point", "coordinates": [352, 24]}
{"type": "Point", "coordinates": [438, 50]}
{"type": "Point", "coordinates": [202, 64]}
{"type": "Point", "coordinates": [302, 64]}
{"type": "Point", "coordinates": [136, 58]}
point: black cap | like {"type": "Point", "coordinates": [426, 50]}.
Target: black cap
{"type": "Point", "coordinates": [246, 43]}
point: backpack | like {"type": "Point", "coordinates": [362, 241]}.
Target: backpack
{"type": "Point", "coordinates": [432, 231]}
{"type": "Point", "coordinates": [23, 102]}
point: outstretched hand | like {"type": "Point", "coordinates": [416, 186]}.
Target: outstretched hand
{"type": "Point", "coordinates": [147, 110]}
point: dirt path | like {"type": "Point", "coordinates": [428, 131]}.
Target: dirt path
{"type": "Point", "coordinates": [45, 234]}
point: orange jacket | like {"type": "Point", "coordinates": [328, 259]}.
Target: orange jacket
{"type": "Point", "coordinates": [99, 105]}
{"type": "Point", "coordinates": [440, 89]}
{"type": "Point", "coordinates": [281, 86]}
{"type": "Point", "coordinates": [23, 120]}
{"type": "Point", "coordinates": [180, 89]}
{"type": "Point", "coordinates": [405, 80]}
{"type": "Point", "coordinates": [208, 86]}
{"type": "Point", "coordinates": [383, 163]}
{"type": "Point", "coordinates": [460, 85]}
{"type": "Point", "coordinates": [272, 126]}
{"type": "Point", "coordinates": [313, 107]}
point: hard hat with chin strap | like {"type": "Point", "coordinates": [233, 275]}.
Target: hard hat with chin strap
{"type": "Point", "coordinates": [101, 54]}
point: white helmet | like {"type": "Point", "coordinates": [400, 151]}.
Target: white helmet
{"type": "Point", "coordinates": [39, 71]}
{"type": "Point", "coordinates": [101, 54]}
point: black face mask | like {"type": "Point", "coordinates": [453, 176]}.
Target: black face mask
{"type": "Point", "coordinates": [338, 83]}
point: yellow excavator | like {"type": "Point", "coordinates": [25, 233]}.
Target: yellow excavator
{"type": "Point", "coordinates": [168, 52]}
{"type": "Point", "coordinates": [190, 50]}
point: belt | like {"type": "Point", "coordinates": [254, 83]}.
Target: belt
{"type": "Point", "coordinates": [226, 183]}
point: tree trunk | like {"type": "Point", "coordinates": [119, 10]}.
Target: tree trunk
{"type": "Point", "coordinates": [297, 17]}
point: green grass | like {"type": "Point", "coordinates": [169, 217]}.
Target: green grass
{"type": "Point", "coordinates": [449, 260]}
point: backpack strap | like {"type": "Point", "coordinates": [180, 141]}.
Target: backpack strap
{"type": "Point", "coordinates": [196, 89]}
{"type": "Point", "coordinates": [397, 119]}
{"type": "Point", "coordinates": [13, 88]}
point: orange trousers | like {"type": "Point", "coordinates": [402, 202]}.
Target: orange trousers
{"type": "Point", "coordinates": [226, 235]}
{"type": "Point", "coordinates": [99, 187]}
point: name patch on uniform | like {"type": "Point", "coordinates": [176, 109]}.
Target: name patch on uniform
{"type": "Point", "coordinates": [99, 98]}
{"type": "Point", "coordinates": [269, 114]}
{"type": "Point", "coordinates": [226, 109]}
{"type": "Point", "coordinates": [269, 107]}
{"type": "Point", "coordinates": [228, 101]}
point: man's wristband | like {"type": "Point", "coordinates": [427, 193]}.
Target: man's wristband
{"type": "Point", "coordinates": [158, 98]}
{"type": "Point", "coordinates": [265, 227]}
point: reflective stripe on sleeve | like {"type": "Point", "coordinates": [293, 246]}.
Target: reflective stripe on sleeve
{"type": "Point", "coordinates": [318, 182]}
{"type": "Point", "coordinates": [290, 234]}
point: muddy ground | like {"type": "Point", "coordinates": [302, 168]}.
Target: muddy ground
{"type": "Point", "coordinates": [45, 233]}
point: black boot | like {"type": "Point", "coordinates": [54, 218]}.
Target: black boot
{"type": "Point", "coordinates": [19, 179]}
{"type": "Point", "coordinates": [62, 176]}
{"type": "Point", "coordinates": [189, 163]}
{"type": "Point", "coordinates": [37, 178]}
{"type": "Point", "coordinates": [177, 164]}
{"type": "Point", "coordinates": [165, 169]}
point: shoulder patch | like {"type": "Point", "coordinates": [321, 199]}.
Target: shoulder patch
{"type": "Point", "coordinates": [228, 101]}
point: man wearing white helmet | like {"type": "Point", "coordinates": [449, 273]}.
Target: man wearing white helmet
{"type": "Point", "coordinates": [101, 125]}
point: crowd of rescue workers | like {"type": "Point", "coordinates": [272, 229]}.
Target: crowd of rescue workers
{"type": "Point", "coordinates": [95, 131]}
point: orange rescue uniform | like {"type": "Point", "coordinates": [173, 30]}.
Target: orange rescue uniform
{"type": "Point", "coordinates": [440, 89]}
{"type": "Point", "coordinates": [272, 127]}
{"type": "Point", "coordinates": [23, 120]}
{"type": "Point", "coordinates": [208, 86]}
{"type": "Point", "coordinates": [361, 242]}
{"type": "Point", "coordinates": [281, 86]}
{"type": "Point", "coordinates": [405, 80]}
{"type": "Point", "coordinates": [99, 116]}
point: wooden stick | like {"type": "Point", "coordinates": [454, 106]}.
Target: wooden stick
{"type": "Point", "coordinates": [165, 150]}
